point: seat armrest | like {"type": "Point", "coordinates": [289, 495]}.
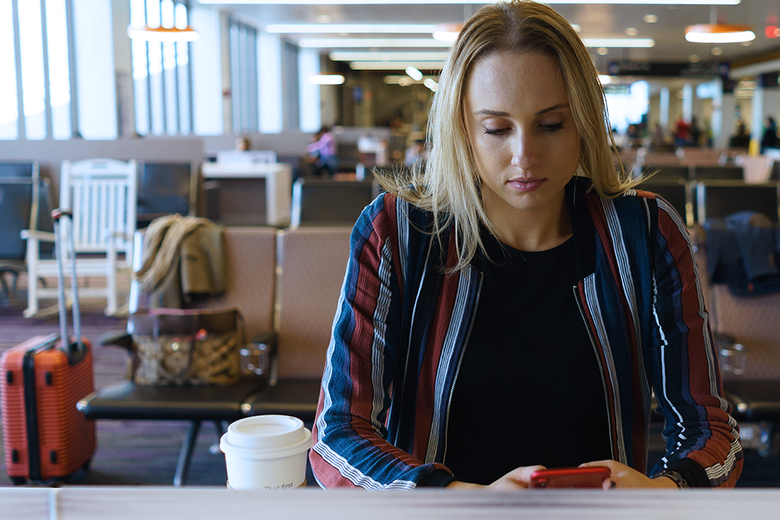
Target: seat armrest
{"type": "Point", "coordinates": [46, 236]}
{"type": "Point", "coordinates": [257, 356]}
{"type": "Point", "coordinates": [118, 339]}
{"type": "Point", "coordinates": [270, 337]}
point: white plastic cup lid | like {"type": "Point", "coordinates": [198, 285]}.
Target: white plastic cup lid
{"type": "Point", "coordinates": [266, 431]}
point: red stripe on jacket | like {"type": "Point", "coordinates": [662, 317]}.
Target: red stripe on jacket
{"type": "Point", "coordinates": [426, 394]}
{"type": "Point", "coordinates": [638, 444]}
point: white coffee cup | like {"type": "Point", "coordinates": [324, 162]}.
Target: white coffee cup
{"type": "Point", "coordinates": [266, 452]}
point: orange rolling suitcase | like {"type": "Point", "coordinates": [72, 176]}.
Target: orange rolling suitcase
{"type": "Point", "coordinates": [45, 437]}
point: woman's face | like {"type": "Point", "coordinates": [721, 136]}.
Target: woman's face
{"type": "Point", "coordinates": [522, 133]}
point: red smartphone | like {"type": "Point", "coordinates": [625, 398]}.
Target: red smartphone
{"type": "Point", "coordinates": [587, 477]}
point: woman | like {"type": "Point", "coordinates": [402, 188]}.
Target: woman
{"type": "Point", "coordinates": [514, 306]}
{"type": "Point", "coordinates": [323, 152]}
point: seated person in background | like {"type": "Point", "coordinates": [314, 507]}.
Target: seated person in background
{"type": "Point", "coordinates": [242, 144]}
{"type": "Point", "coordinates": [741, 139]}
{"type": "Point", "coordinates": [514, 305]}
{"type": "Point", "coordinates": [322, 152]}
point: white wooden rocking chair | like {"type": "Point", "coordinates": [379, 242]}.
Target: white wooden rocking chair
{"type": "Point", "coordinates": [101, 193]}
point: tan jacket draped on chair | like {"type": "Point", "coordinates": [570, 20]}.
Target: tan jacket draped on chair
{"type": "Point", "coordinates": [182, 261]}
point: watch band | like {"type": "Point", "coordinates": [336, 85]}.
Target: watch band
{"type": "Point", "coordinates": [676, 477]}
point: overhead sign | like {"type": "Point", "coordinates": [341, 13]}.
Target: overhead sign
{"type": "Point", "coordinates": [711, 69]}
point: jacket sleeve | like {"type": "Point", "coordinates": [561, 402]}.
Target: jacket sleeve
{"type": "Point", "coordinates": [351, 447]}
{"type": "Point", "coordinates": [702, 439]}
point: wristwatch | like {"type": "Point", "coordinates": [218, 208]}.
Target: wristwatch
{"type": "Point", "coordinates": [676, 477]}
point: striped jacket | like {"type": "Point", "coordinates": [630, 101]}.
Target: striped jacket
{"type": "Point", "coordinates": [402, 325]}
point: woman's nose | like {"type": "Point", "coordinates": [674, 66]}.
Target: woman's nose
{"type": "Point", "coordinates": [525, 155]}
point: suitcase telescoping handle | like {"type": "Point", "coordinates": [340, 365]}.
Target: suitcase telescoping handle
{"type": "Point", "coordinates": [57, 215]}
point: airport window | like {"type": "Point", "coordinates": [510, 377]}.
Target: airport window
{"type": "Point", "coordinates": [243, 77]}
{"type": "Point", "coordinates": [161, 71]}
{"type": "Point", "coordinates": [290, 86]}
{"type": "Point", "coordinates": [36, 70]}
{"type": "Point", "coordinates": [627, 104]}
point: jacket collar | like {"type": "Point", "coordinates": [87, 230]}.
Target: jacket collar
{"type": "Point", "coordinates": [577, 192]}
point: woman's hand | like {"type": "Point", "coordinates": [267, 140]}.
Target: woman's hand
{"type": "Point", "coordinates": [518, 478]}
{"type": "Point", "coordinates": [625, 477]}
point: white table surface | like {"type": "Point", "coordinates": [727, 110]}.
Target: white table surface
{"type": "Point", "coordinates": [195, 503]}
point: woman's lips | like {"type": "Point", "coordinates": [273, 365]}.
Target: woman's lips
{"type": "Point", "coordinates": [526, 185]}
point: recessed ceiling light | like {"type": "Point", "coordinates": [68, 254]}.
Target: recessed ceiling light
{"type": "Point", "coordinates": [631, 31]}
{"type": "Point", "coordinates": [619, 42]}
{"type": "Point", "coordinates": [387, 56]}
{"type": "Point", "coordinates": [603, 51]}
{"type": "Point", "coordinates": [348, 28]}
{"type": "Point", "coordinates": [693, 58]}
{"type": "Point", "coordinates": [716, 51]}
{"type": "Point", "coordinates": [395, 65]}
{"type": "Point", "coordinates": [650, 18]}
{"type": "Point", "coordinates": [333, 43]}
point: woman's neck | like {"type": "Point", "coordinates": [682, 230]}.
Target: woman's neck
{"type": "Point", "coordinates": [534, 230]}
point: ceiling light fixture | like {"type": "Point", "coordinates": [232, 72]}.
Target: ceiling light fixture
{"type": "Point", "coordinates": [396, 65]}
{"type": "Point", "coordinates": [348, 28]}
{"type": "Point", "coordinates": [387, 56]}
{"type": "Point", "coordinates": [447, 32]}
{"type": "Point", "coordinates": [719, 33]}
{"type": "Point", "coordinates": [414, 73]}
{"type": "Point", "coordinates": [335, 43]}
{"type": "Point", "coordinates": [162, 34]}
{"type": "Point", "coordinates": [716, 32]}
{"type": "Point", "coordinates": [619, 42]}
{"type": "Point", "coordinates": [326, 79]}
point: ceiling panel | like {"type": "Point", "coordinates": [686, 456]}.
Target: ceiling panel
{"type": "Point", "coordinates": [595, 21]}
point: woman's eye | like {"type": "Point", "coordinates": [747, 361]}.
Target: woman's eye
{"type": "Point", "coordinates": [552, 127]}
{"type": "Point", "coordinates": [496, 131]}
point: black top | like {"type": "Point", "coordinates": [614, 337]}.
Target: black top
{"type": "Point", "coordinates": [529, 389]}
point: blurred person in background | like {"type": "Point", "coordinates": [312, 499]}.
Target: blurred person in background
{"type": "Point", "coordinates": [322, 152]}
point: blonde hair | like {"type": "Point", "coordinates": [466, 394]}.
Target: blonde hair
{"type": "Point", "coordinates": [448, 185]}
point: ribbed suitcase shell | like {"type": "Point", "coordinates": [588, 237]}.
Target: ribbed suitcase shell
{"type": "Point", "coordinates": [66, 438]}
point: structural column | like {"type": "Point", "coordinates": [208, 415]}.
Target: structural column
{"type": "Point", "coordinates": [723, 114]}
{"type": "Point", "coordinates": [764, 103]}
{"type": "Point", "coordinates": [663, 108]}
{"type": "Point", "coordinates": [687, 102]}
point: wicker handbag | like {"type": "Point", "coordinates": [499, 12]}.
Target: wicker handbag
{"type": "Point", "coordinates": [187, 347]}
